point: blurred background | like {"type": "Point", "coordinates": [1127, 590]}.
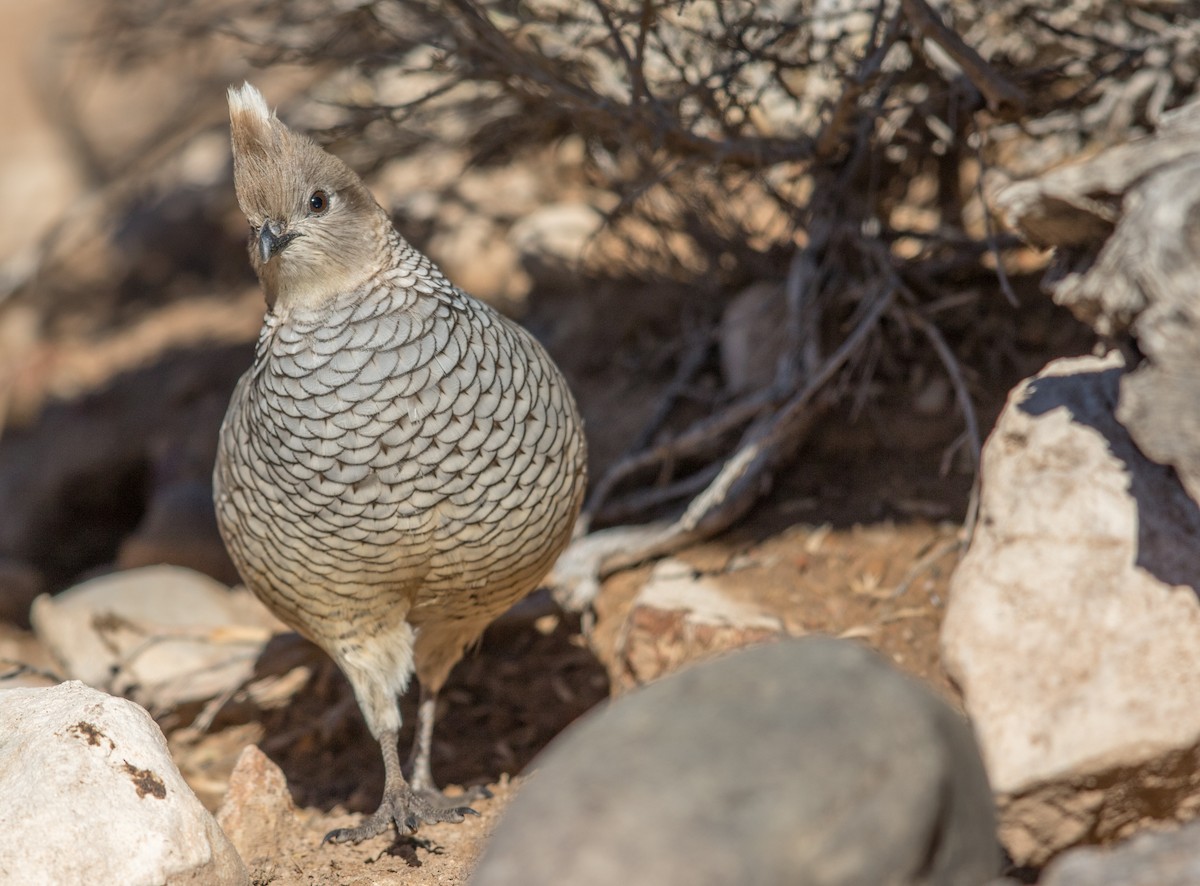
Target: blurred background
{"type": "Point", "coordinates": [740, 227]}
{"type": "Point", "coordinates": [694, 207]}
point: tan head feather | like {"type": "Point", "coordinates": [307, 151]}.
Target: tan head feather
{"type": "Point", "coordinates": [277, 174]}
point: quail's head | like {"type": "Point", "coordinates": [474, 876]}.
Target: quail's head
{"type": "Point", "coordinates": [316, 231]}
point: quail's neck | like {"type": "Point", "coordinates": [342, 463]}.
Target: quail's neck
{"type": "Point", "coordinates": [310, 276]}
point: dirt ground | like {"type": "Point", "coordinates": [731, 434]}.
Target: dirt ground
{"type": "Point", "coordinates": [856, 542]}
{"type": "Point", "coordinates": [884, 584]}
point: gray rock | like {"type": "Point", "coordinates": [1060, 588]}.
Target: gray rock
{"type": "Point", "coordinates": [1073, 625]}
{"type": "Point", "coordinates": [1152, 859]}
{"type": "Point", "coordinates": [752, 335]}
{"type": "Point", "coordinates": [805, 762]}
{"type": "Point", "coordinates": [91, 796]}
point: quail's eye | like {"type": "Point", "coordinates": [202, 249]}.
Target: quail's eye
{"type": "Point", "coordinates": [318, 202]}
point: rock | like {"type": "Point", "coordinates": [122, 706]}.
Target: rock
{"type": "Point", "coordinates": [552, 238]}
{"type": "Point", "coordinates": [91, 796]}
{"type": "Point", "coordinates": [680, 617]}
{"type": "Point", "coordinates": [511, 190]}
{"type": "Point", "coordinates": [415, 186]}
{"type": "Point", "coordinates": [807, 761]}
{"type": "Point", "coordinates": [1154, 859]}
{"type": "Point", "coordinates": [257, 813]}
{"type": "Point", "coordinates": [1124, 222]}
{"type": "Point", "coordinates": [1073, 625]}
{"type": "Point", "coordinates": [163, 635]}
{"type": "Point", "coordinates": [752, 336]}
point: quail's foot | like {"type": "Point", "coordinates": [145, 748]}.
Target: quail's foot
{"type": "Point", "coordinates": [439, 800]}
{"type": "Point", "coordinates": [407, 810]}
{"type": "Point", "coordinates": [420, 775]}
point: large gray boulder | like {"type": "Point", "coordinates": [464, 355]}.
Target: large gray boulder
{"type": "Point", "coordinates": [90, 795]}
{"type": "Point", "coordinates": [806, 761]}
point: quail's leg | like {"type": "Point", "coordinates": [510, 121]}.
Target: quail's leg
{"type": "Point", "coordinates": [420, 772]}
{"type": "Point", "coordinates": [401, 806]}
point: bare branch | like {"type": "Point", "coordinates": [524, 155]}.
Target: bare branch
{"type": "Point", "coordinates": [1001, 95]}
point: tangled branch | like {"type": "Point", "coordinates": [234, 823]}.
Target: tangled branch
{"type": "Point", "coordinates": [836, 147]}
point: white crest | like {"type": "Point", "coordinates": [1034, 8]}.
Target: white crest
{"type": "Point", "coordinates": [249, 101]}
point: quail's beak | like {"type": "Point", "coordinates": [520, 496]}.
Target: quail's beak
{"type": "Point", "coordinates": [272, 239]}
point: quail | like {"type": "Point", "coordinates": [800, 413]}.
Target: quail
{"type": "Point", "coordinates": [400, 464]}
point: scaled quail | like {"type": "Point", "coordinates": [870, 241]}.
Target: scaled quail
{"type": "Point", "coordinates": [400, 464]}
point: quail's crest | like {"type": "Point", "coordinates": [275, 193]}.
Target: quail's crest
{"type": "Point", "coordinates": [315, 228]}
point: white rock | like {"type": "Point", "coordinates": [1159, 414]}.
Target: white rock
{"type": "Point", "coordinates": [1073, 625]}
{"type": "Point", "coordinates": [91, 796]}
{"type": "Point", "coordinates": [162, 635]}
{"type": "Point", "coordinates": [558, 233]}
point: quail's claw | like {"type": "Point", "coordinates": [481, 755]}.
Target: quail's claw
{"type": "Point", "coordinates": [403, 808]}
